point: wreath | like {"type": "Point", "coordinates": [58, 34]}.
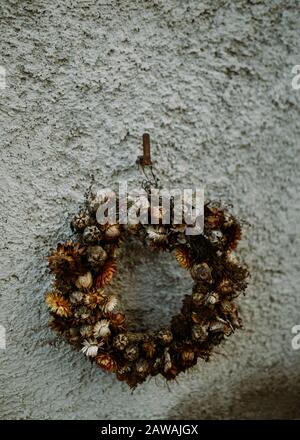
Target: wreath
{"type": "Point", "coordinates": [93, 321]}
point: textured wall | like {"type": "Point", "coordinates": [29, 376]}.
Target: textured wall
{"type": "Point", "coordinates": [211, 81]}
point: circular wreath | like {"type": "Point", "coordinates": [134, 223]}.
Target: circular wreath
{"type": "Point", "coordinates": [92, 320]}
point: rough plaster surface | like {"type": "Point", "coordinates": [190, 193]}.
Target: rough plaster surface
{"type": "Point", "coordinates": [211, 82]}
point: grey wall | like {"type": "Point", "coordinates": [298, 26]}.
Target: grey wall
{"type": "Point", "coordinates": [211, 82]}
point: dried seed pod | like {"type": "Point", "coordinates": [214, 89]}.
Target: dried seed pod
{"type": "Point", "coordinates": [82, 313]}
{"type": "Point", "coordinates": [92, 235]}
{"type": "Point", "coordinates": [212, 298]}
{"type": "Point", "coordinates": [187, 355]}
{"type": "Point", "coordinates": [101, 329]}
{"type": "Point", "coordinates": [123, 372]}
{"type": "Point", "coordinates": [157, 366]}
{"type": "Point", "coordinates": [199, 332]}
{"type": "Point", "coordinates": [197, 318]}
{"type": "Point", "coordinates": [76, 297]}
{"type": "Point", "coordinates": [167, 361]}
{"type": "Point", "coordinates": [84, 281]}
{"type": "Point", "coordinates": [149, 348]}
{"type": "Point", "coordinates": [232, 235]}
{"type": "Point", "coordinates": [74, 335]}
{"type": "Point", "coordinates": [112, 232]}
{"type": "Point", "coordinates": [142, 367]}
{"type": "Point", "coordinates": [165, 336]}
{"type": "Point", "coordinates": [214, 217]}
{"type": "Point", "coordinates": [201, 272]}
{"type": "Point", "coordinates": [131, 353]}
{"type": "Point", "coordinates": [220, 327]}
{"type": "Point", "coordinates": [94, 298]}
{"type": "Point", "coordinates": [180, 228]}
{"type": "Point", "coordinates": [228, 307]}
{"type": "Point", "coordinates": [58, 304]}
{"type": "Point", "coordinates": [107, 362]}
{"type": "Point", "coordinates": [96, 256]}
{"type": "Point", "coordinates": [66, 260]}
{"type": "Point", "coordinates": [158, 235]}
{"type": "Point", "coordinates": [198, 298]}
{"type": "Point", "coordinates": [118, 321]}
{"type": "Point", "coordinates": [107, 273]}
{"type": "Point", "coordinates": [225, 287]}
{"type": "Point", "coordinates": [81, 221]}
{"type": "Point", "coordinates": [90, 348]}
{"type": "Point", "coordinates": [120, 341]}
{"type": "Point", "coordinates": [182, 256]}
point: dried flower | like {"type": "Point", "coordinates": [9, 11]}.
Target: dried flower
{"type": "Point", "coordinates": [107, 273]}
{"type": "Point", "coordinates": [90, 348]}
{"type": "Point", "coordinates": [76, 297]}
{"type": "Point", "coordinates": [86, 331]}
{"type": "Point", "coordinates": [118, 321]}
{"type": "Point", "coordinates": [92, 235]}
{"type": "Point", "coordinates": [96, 256]}
{"type": "Point", "coordinates": [110, 304]}
{"type": "Point", "coordinates": [58, 304]}
{"type": "Point", "coordinates": [149, 348]}
{"type": "Point", "coordinates": [120, 341]}
{"type": "Point", "coordinates": [107, 362]}
{"type": "Point", "coordinates": [101, 329]}
{"type": "Point", "coordinates": [202, 272]}
{"type": "Point", "coordinates": [82, 313]}
{"type": "Point", "coordinates": [94, 298]}
{"type": "Point", "coordinates": [84, 281]}
{"type": "Point", "coordinates": [182, 256]}
{"type": "Point", "coordinates": [66, 260]}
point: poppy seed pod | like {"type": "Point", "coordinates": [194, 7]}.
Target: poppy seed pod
{"type": "Point", "coordinates": [91, 235]}
{"type": "Point", "coordinates": [201, 272]}
{"type": "Point", "coordinates": [81, 221]}
{"type": "Point", "coordinates": [96, 256]}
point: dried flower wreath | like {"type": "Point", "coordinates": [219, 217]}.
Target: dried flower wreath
{"type": "Point", "coordinates": [91, 320]}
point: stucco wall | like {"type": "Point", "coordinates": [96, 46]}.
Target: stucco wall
{"type": "Point", "coordinates": [211, 82]}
